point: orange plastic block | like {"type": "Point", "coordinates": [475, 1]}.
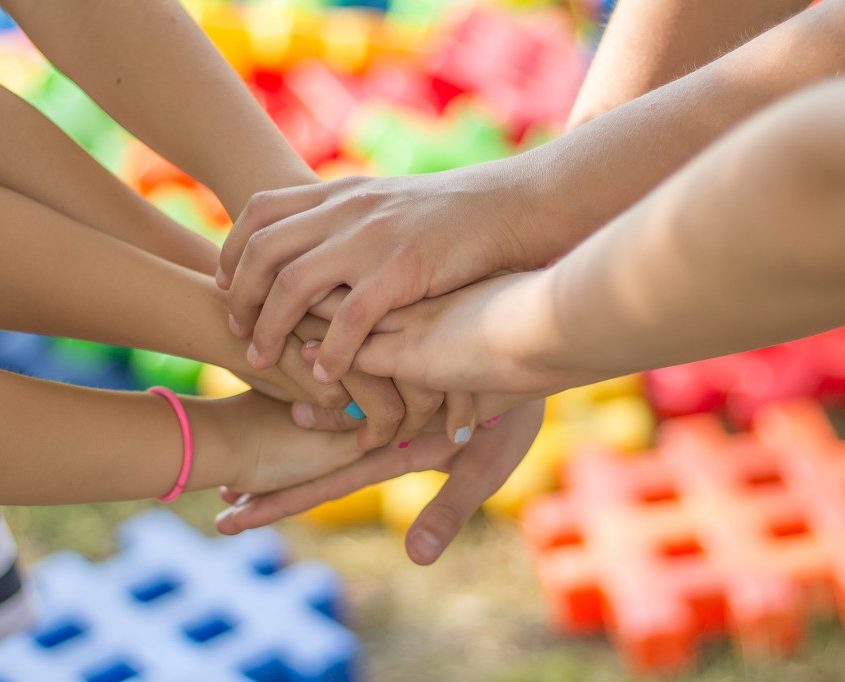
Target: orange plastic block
{"type": "Point", "coordinates": [710, 534]}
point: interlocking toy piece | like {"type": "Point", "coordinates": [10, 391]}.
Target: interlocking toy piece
{"type": "Point", "coordinates": [710, 534]}
{"type": "Point", "coordinates": [175, 606]}
{"type": "Point", "coordinates": [740, 384]}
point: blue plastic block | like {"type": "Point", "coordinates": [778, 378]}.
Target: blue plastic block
{"type": "Point", "coordinates": [379, 5]}
{"type": "Point", "coordinates": [22, 353]}
{"type": "Point", "coordinates": [175, 606]}
{"type": "Point", "coordinates": [6, 22]}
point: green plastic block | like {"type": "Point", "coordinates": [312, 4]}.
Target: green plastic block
{"type": "Point", "coordinates": [156, 369]}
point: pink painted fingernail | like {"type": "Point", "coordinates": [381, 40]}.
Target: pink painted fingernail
{"type": "Point", "coordinates": [493, 420]}
{"type": "Point", "coordinates": [404, 444]}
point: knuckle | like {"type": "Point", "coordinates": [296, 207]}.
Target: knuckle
{"type": "Point", "coordinates": [286, 277]}
{"type": "Point", "coordinates": [426, 404]}
{"type": "Point", "coordinates": [332, 398]}
{"type": "Point", "coordinates": [255, 247]}
{"type": "Point", "coordinates": [392, 414]}
{"type": "Point", "coordinates": [362, 199]}
{"type": "Point", "coordinates": [354, 312]}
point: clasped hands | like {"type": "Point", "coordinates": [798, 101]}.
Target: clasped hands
{"type": "Point", "coordinates": [383, 286]}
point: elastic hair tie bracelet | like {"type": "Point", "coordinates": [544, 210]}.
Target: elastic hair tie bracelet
{"type": "Point", "coordinates": [187, 442]}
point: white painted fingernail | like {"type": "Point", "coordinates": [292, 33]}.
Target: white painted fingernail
{"type": "Point", "coordinates": [243, 500]}
{"type": "Point", "coordinates": [463, 434]}
{"type": "Point", "coordinates": [224, 515]}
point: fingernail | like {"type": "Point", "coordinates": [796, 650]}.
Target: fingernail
{"type": "Point", "coordinates": [493, 420]}
{"type": "Point", "coordinates": [354, 411]}
{"type": "Point", "coordinates": [252, 355]}
{"type": "Point", "coordinates": [225, 515]}
{"type": "Point", "coordinates": [303, 415]}
{"type": "Point", "coordinates": [404, 444]}
{"type": "Point", "coordinates": [463, 434]}
{"type": "Point", "coordinates": [221, 278]}
{"type": "Point", "coordinates": [243, 500]}
{"type": "Point", "coordinates": [235, 326]}
{"type": "Point", "coordinates": [426, 545]}
{"type": "Point", "coordinates": [310, 345]}
{"type": "Point", "coordinates": [320, 373]}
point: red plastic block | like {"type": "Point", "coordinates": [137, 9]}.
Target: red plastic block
{"type": "Point", "coordinates": [709, 534]}
{"type": "Point", "coordinates": [526, 70]}
{"type": "Point", "coordinates": [741, 384]}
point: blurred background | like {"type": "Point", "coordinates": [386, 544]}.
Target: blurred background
{"type": "Point", "coordinates": [399, 87]}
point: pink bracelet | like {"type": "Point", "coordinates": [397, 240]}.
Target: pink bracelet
{"type": "Point", "coordinates": [187, 442]}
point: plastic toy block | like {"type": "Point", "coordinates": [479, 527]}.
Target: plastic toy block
{"type": "Point", "coordinates": [741, 384]}
{"type": "Point", "coordinates": [712, 533]}
{"type": "Point", "coordinates": [153, 369]}
{"type": "Point", "coordinates": [526, 70]}
{"type": "Point", "coordinates": [405, 497]}
{"type": "Point", "coordinates": [174, 606]}
{"type": "Point", "coordinates": [6, 22]}
{"type": "Point", "coordinates": [216, 382]}
{"type": "Point", "coordinates": [358, 508]}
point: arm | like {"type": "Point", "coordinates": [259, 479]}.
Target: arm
{"type": "Point", "coordinates": [63, 444]}
{"type": "Point", "coordinates": [154, 71]}
{"type": "Point", "coordinates": [740, 249]}
{"type": "Point", "coordinates": [39, 161]}
{"type": "Point", "coordinates": [71, 280]}
{"type": "Point", "coordinates": [649, 44]}
{"type": "Point", "coordinates": [395, 241]}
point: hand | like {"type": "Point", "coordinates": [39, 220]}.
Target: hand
{"type": "Point", "coordinates": [395, 411]}
{"type": "Point", "coordinates": [267, 449]}
{"type": "Point", "coordinates": [394, 241]}
{"type": "Point", "coordinates": [501, 335]}
{"type": "Point", "coordinates": [475, 473]}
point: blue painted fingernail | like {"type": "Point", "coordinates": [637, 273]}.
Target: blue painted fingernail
{"type": "Point", "coordinates": [354, 411]}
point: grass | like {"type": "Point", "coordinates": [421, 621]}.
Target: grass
{"type": "Point", "coordinates": [476, 616]}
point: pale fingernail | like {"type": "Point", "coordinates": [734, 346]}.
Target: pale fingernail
{"type": "Point", "coordinates": [404, 444]}
{"type": "Point", "coordinates": [225, 515]}
{"type": "Point", "coordinates": [221, 278]}
{"type": "Point", "coordinates": [303, 415]}
{"type": "Point", "coordinates": [427, 546]}
{"type": "Point", "coordinates": [355, 411]}
{"type": "Point", "coordinates": [493, 420]}
{"type": "Point", "coordinates": [310, 345]}
{"type": "Point", "coordinates": [463, 434]}
{"type": "Point", "coordinates": [320, 373]}
{"type": "Point", "coordinates": [252, 355]}
{"type": "Point", "coordinates": [243, 500]}
{"type": "Point", "coordinates": [235, 326]}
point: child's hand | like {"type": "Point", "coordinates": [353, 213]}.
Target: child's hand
{"type": "Point", "coordinates": [267, 449]}
{"type": "Point", "coordinates": [475, 473]}
{"type": "Point", "coordinates": [484, 338]}
{"type": "Point", "coordinates": [394, 241]}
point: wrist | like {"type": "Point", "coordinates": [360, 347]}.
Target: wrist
{"type": "Point", "coordinates": [217, 459]}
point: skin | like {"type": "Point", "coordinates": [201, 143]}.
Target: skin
{"type": "Point", "coordinates": [393, 240]}
{"type": "Point", "coordinates": [667, 287]}
{"type": "Point", "coordinates": [127, 445]}
{"type": "Point", "coordinates": [122, 55]}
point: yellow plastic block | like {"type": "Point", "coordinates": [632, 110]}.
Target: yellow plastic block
{"type": "Point", "coordinates": [341, 168]}
{"type": "Point", "coordinates": [536, 474]}
{"type": "Point", "coordinates": [216, 382]}
{"type": "Point", "coordinates": [269, 25]}
{"type": "Point", "coordinates": [395, 41]}
{"type": "Point", "coordinates": [225, 27]}
{"type": "Point", "coordinates": [626, 423]}
{"type": "Point", "coordinates": [562, 406]}
{"type": "Point", "coordinates": [306, 36]}
{"type": "Point", "coordinates": [403, 498]}
{"type": "Point", "coordinates": [358, 508]}
{"type": "Point", "coordinates": [347, 36]}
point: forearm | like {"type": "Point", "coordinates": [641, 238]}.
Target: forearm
{"type": "Point", "coordinates": [577, 183]}
{"type": "Point", "coordinates": [66, 279]}
{"type": "Point", "coordinates": [741, 249]}
{"type": "Point", "coordinates": [39, 161]}
{"type": "Point", "coordinates": [152, 68]}
{"type": "Point", "coordinates": [63, 444]}
{"type": "Point", "coordinates": [649, 44]}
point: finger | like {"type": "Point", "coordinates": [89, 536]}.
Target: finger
{"type": "Point", "coordinates": [383, 355]}
{"type": "Point", "coordinates": [379, 400]}
{"type": "Point", "coordinates": [263, 208]}
{"type": "Point", "coordinates": [299, 284]}
{"type": "Point", "coordinates": [228, 495]}
{"type": "Point", "coordinates": [428, 452]}
{"type": "Point", "coordinates": [314, 417]}
{"type": "Point", "coordinates": [333, 396]}
{"type": "Point", "coordinates": [460, 416]}
{"type": "Point", "coordinates": [326, 308]}
{"type": "Point", "coordinates": [311, 327]}
{"type": "Point", "coordinates": [420, 405]}
{"type": "Point", "coordinates": [363, 307]}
